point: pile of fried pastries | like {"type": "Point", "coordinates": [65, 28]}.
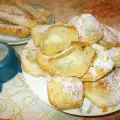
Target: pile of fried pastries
{"type": "Point", "coordinates": [83, 59]}
{"type": "Point", "coordinates": [18, 19]}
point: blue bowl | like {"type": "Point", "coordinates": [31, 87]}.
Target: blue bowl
{"type": "Point", "coordinates": [10, 63]}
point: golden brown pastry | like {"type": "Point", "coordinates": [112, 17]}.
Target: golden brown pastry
{"type": "Point", "coordinates": [17, 16]}
{"type": "Point", "coordinates": [14, 30]}
{"type": "Point", "coordinates": [32, 11]}
{"type": "Point", "coordinates": [29, 63]}
{"type": "Point", "coordinates": [4, 22]}
{"type": "Point", "coordinates": [43, 60]}
{"type": "Point", "coordinates": [65, 92]}
{"type": "Point", "coordinates": [44, 12]}
{"type": "Point", "coordinates": [106, 91]}
{"type": "Point", "coordinates": [102, 65]}
{"type": "Point", "coordinates": [88, 27]}
{"type": "Point", "coordinates": [74, 61]}
{"type": "Point", "coordinates": [36, 33]}
{"type": "Point", "coordinates": [115, 55]}
{"type": "Point", "coordinates": [110, 39]}
{"type": "Point", "coordinates": [55, 39]}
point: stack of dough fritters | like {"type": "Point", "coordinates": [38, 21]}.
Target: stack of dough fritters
{"type": "Point", "coordinates": [83, 59]}
{"type": "Point", "coordinates": [17, 19]}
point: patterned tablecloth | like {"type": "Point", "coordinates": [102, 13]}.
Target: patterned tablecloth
{"type": "Point", "coordinates": [17, 101]}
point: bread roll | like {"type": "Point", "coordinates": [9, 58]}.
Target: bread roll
{"type": "Point", "coordinates": [106, 91]}
{"type": "Point", "coordinates": [65, 92]}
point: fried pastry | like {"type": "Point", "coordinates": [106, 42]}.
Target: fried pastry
{"type": "Point", "coordinates": [65, 92]}
{"type": "Point", "coordinates": [4, 22]}
{"type": "Point", "coordinates": [102, 65]}
{"type": "Point", "coordinates": [32, 11]}
{"type": "Point", "coordinates": [29, 63]}
{"type": "Point", "coordinates": [74, 61]}
{"type": "Point", "coordinates": [57, 38]}
{"type": "Point", "coordinates": [44, 12]}
{"type": "Point", "coordinates": [14, 30]}
{"type": "Point", "coordinates": [16, 16]}
{"type": "Point", "coordinates": [12, 9]}
{"type": "Point", "coordinates": [43, 60]}
{"type": "Point", "coordinates": [110, 39]}
{"type": "Point", "coordinates": [115, 55]}
{"type": "Point", "coordinates": [106, 91]}
{"type": "Point", "coordinates": [36, 33]}
{"type": "Point", "coordinates": [88, 27]}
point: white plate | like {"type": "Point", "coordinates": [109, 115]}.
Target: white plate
{"type": "Point", "coordinates": [39, 87]}
{"type": "Point", "coordinates": [14, 40]}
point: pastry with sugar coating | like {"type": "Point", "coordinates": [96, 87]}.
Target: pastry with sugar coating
{"type": "Point", "coordinates": [88, 27]}
{"type": "Point", "coordinates": [102, 65]}
{"type": "Point", "coordinates": [36, 33]}
{"type": "Point", "coordinates": [29, 63]}
{"type": "Point", "coordinates": [65, 92]}
{"type": "Point", "coordinates": [115, 55]}
{"type": "Point", "coordinates": [55, 38]}
{"type": "Point", "coordinates": [106, 91]}
{"type": "Point", "coordinates": [74, 61]}
{"type": "Point", "coordinates": [110, 39]}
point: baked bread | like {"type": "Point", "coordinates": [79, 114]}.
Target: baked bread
{"type": "Point", "coordinates": [65, 92]}
{"type": "Point", "coordinates": [16, 16]}
{"type": "Point", "coordinates": [14, 30]}
{"type": "Point", "coordinates": [110, 39]}
{"type": "Point", "coordinates": [29, 63]}
{"type": "Point", "coordinates": [106, 91]}
{"type": "Point", "coordinates": [102, 65]}
{"type": "Point", "coordinates": [115, 55]}
{"type": "Point", "coordinates": [88, 27]}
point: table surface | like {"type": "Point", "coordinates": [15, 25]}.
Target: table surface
{"type": "Point", "coordinates": [17, 101]}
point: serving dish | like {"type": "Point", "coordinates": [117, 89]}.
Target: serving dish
{"type": "Point", "coordinates": [69, 69]}
{"type": "Point", "coordinates": [14, 40]}
{"type": "Point", "coordinates": [39, 87]}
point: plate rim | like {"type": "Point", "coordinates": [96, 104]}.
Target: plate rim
{"type": "Point", "coordinates": [64, 111]}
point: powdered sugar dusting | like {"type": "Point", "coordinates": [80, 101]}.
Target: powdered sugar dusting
{"type": "Point", "coordinates": [93, 71]}
{"type": "Point", "coordinates": [71, 85]}
{"type": "Point", "coordinates": [30, 53]}
{"type": "Point", "coordinates": [109, 36]}
{"type": "Point", "coordinates": [115, 51]}
{"type": "Point", "coordinates": [113, 81]}
{"type": "Point", "coordinates": [86, 25]}
{"type": "Point", "coordinates": [103, 60]}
